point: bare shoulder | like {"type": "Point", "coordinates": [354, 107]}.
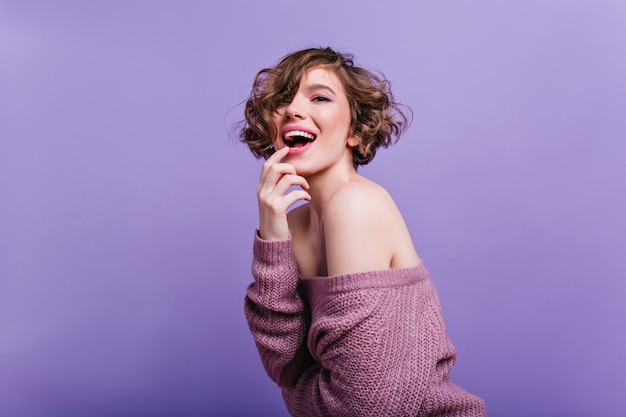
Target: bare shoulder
{"type": "Point", "coordinates": [365, 231]}
{"type": "Point", "coordinates": [363, 205]}
{"type": "Point", "coordinates": [364, 196]}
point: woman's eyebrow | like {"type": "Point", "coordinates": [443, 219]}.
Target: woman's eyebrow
{"type": "Point", "coordinates": [320, 86]}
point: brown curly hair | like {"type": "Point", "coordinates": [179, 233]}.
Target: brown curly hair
{"type": "Point", "coordinates": [377, 119]}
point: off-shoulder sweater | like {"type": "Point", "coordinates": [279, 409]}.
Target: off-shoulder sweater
{"type": "Point", "coordinates": [357, 345]}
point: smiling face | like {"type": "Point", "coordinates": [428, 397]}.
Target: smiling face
{"type": "Point", "coordinates": [316, 124]}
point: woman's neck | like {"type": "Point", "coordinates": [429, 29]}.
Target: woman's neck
{"type": "Point", "coordinates": [324, 184]}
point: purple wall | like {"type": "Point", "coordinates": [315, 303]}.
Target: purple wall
{"type": "Point", "coordinates": [127, 214]}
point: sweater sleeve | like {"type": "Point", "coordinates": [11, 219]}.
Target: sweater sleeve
{"type": "Point", "coordinates": [275, 311]}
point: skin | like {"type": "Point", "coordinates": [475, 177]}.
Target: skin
{"type": "Point", "coordinates": [348, 224]}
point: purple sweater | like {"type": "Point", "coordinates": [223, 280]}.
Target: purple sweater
{"type": "Point", "coordinates": [365, 344]}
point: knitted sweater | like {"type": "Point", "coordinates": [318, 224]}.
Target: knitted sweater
{"type": "Point", "coordinates": [355, 345]}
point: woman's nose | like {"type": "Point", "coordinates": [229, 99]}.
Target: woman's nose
{"type": "Point", "coordinates": [294, 110]}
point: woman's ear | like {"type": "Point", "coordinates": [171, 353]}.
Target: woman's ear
{"type": "Point", "coordinates": [353, 141]}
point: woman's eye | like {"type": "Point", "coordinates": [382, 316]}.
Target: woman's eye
{"type": "Point", "coordinates": [320, 98]}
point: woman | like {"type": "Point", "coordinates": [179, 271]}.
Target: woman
{"type": "Point", "coordinates": [344, 315]}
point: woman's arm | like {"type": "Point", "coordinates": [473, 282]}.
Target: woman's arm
{"type": "Point", "coordinates": [273, 306]}
{"type": "Point", "coordinates": [275, 312]}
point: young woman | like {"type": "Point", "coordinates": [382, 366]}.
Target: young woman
{"type": "Point", "coordinates": [343, 312]}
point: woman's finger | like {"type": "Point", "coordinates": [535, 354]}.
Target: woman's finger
{"type": "Point", "coordinates": [273, 160]}
{"type": "Point", "coordinates": [279, 204]}
{"type": "Point", "coordinates": [272, 195]}
{"type": "Point", "coordinates": [296, 195]}
{"type": "Point", "coordinates": [288, 181]}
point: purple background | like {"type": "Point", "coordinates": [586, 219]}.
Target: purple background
{"type": "Point", "coordinates": [127, 213]}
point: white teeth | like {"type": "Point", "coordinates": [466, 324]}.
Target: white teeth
{"type": "Point", "coordinates": [299, 133]}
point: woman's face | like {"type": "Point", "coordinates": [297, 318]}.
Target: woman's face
{"type": "Point", "coordinates": [316, 124]}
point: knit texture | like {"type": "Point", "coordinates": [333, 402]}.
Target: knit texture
{"type": "Point", "coordinates": [355, 345]}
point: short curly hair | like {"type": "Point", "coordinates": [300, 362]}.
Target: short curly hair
{"type": "Point", "coordinates": [377, 120]}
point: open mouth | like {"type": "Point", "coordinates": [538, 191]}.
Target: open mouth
{"type": "Point", "coordinates": [298, 138]}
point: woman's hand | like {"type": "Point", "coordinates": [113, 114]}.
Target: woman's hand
{"type": "Point", "coordinates": [274, 199]}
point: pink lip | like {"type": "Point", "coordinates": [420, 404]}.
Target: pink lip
{"type": "Point", "coordinates": [300, 150]}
